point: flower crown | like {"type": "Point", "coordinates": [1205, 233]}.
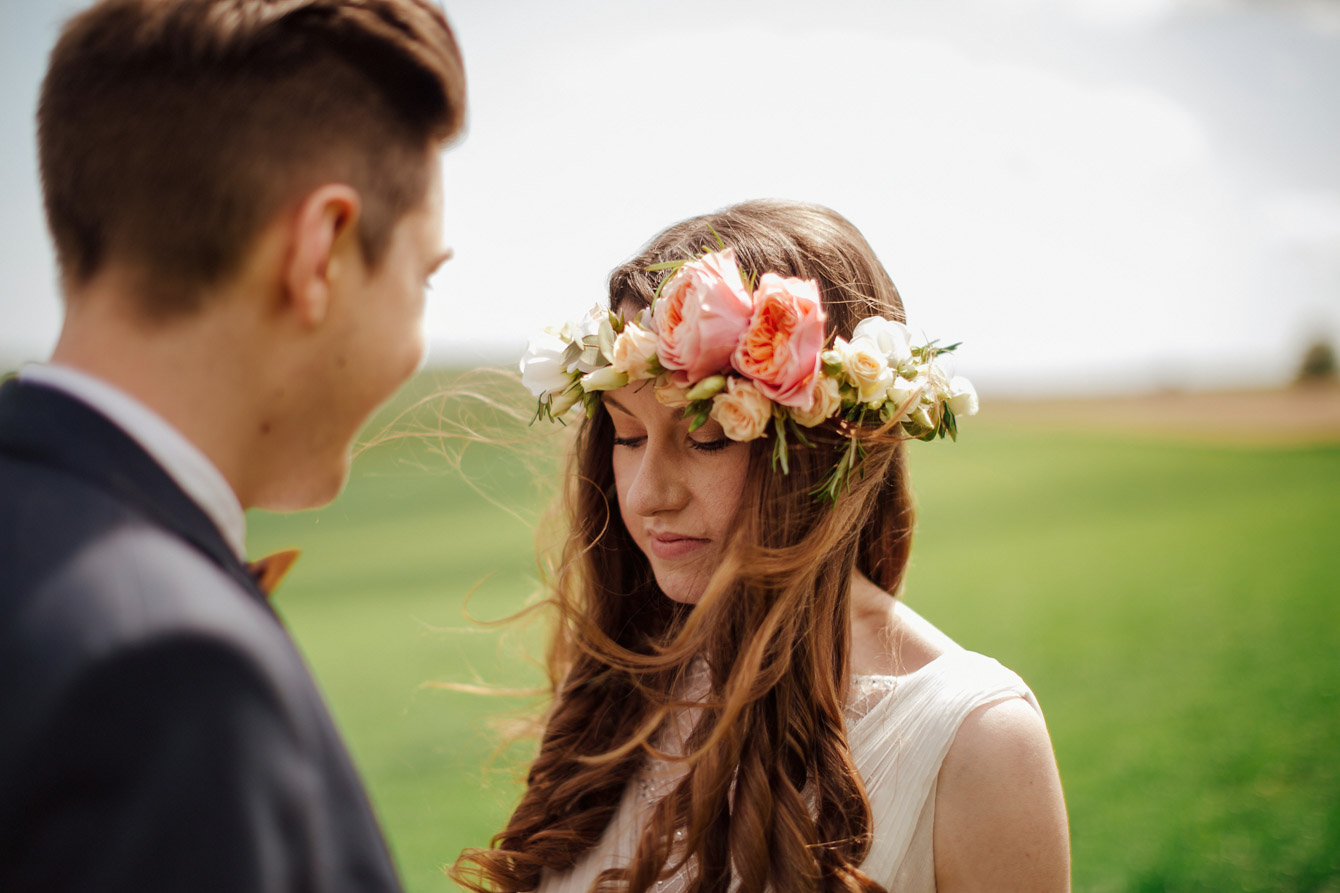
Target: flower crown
{"type": "Point", "coordinates": [754, 359]}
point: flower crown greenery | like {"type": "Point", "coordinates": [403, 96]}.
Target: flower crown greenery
{"type": "Point", "coordinates": [753, 357]}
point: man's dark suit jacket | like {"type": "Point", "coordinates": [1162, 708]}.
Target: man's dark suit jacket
{"type": "Point", "coordinates": [158, 730]}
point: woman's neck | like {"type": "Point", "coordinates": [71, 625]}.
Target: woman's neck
{"type": "Point", "coordinates": [887, 637]}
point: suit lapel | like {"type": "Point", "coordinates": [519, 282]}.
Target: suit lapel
{"type": "Point", "coordinates": [47, 427]}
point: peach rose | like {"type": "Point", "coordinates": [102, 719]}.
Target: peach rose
{"type": "Point", "coordinates": [827, 400]}
{"type": "Point", "coordinates": [742, 410]}
{"type": "Point", "coordinates": [672, 390]}
{"type": "Point", "coordinates": [633, 349]}
{"type": "Point", "coordinates": [780, 349]}
{"type": "Point", "coordinates": [700, 315]}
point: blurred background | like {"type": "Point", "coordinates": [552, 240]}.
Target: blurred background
{"type": "Point", "coordinates": [1128, 210]}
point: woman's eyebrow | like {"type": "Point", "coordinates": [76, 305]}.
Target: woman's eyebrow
{"type": "Point", "coordinates": [617, 405]}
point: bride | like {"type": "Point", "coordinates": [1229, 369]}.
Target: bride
{"type": "Point", "coordinates": [741, 699]}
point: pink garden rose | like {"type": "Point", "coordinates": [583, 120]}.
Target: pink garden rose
{"type": "Point", "coordinates": [700, 315]}
{"type": "Point", "coordinates": [780, 349]}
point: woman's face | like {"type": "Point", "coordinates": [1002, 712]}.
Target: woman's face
{"type": "Point", "coordinates": [678, 492]}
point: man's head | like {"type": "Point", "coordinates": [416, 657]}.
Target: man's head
{"type": "Point", "coordinates": [171, 131]}
{"type": "Point", "coordinates": [245, 199]}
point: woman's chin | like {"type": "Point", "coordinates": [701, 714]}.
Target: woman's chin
{"type": "Point", "coordinates": [684, 598]}
{"type": "Point", "coordinates": [682, 587]}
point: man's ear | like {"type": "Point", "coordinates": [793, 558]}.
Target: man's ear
{"type": "Point", "coordinates": [325, 228]}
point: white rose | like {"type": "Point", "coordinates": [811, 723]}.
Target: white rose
{"type": "Point", "coordinates": [741, 410]}
{"type": "Point", "coordinates": [893, 338]}
{"type": "Point", "coordinates": [633, 349]}
{"type": "Point", "coordinates": [827, 401]}
{"type": "Point", "coordinates": [866, 368]}
{"type": "Point", "coordinates": [902, 391]}
{"type": "Point", "coordinates": [962, 397]}
{"type": "Point", "coordinates": [586, 332]}
{"type": "Point", "coordinates": [936, 377]}
{"type": "Point", "coordinates": [542, 369]}
{"type": "Point", "coordinates": [606, 378]}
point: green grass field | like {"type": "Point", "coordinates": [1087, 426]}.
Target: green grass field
{"type": "Point", "coordinates": [1175, 607]}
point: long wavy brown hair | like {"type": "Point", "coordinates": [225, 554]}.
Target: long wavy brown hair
{"type": "Point", "coordinates": [770, 797]}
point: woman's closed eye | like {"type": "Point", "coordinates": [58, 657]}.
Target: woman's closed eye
{"type": "Point", "coordinates": [711, 446]}
{"type": "Point", "coordinates": [633, 441]}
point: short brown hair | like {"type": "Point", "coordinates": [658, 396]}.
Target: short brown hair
{"type": "Point", "coordinates": [171, 131]}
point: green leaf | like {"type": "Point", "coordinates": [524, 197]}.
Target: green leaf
{"type": "Point", "coordinates": [605, 337]}
{"type": "Point", "coordinates": [716, 235]}
{"type": "Point", "coordinates": [697, 407]}
{"type": "Point", "coordinates": [779, 450]}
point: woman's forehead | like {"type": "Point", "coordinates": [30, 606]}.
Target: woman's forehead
{"type": "Point", "coordinates": [636, 399]}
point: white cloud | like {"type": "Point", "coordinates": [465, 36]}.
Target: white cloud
{"type": "Point", "coordinates": [1014, 206]}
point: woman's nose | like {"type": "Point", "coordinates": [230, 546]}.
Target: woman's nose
{"type": "Point", "coordinates": [659, 485]}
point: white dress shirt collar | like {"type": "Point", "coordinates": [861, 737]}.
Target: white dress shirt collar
{"type": "Point", "coordinates": [182, 460]}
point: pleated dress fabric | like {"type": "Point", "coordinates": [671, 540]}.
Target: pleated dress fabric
{"type": "Point", "coordinates": [900, 729]}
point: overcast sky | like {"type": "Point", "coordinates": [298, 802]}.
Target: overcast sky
{"type": "Point", "coordinates": [1094, 195]}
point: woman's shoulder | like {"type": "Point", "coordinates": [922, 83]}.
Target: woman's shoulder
{"type": "Point", "coordinates": [1000, 817]}
{"type": "Point", "coordinates": [952, 735]}
{"type": "Point", "coordinates": [919, 709]}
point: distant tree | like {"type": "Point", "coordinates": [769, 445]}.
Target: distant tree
{"type": "Point", "coordinates": [1318, 362]}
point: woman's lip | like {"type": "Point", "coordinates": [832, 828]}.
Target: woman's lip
{"type": "Point", "coordinates": [672, 545]}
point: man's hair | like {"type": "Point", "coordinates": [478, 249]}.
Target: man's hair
{"type": "Point", "coordinates": [171, 131]}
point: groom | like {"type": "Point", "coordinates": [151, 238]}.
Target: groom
{"type": "Point", "coordinates": [245, 201]}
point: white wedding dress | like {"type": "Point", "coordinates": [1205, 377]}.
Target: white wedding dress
{"type": "Point", "coordinates": [900, 729]}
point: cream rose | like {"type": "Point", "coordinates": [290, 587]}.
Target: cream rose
{"type": "Point", "coordinates": [865, 368]}
{"type": "Point", "coordinates": [741, 410]}
{"type": "Point", "coordinates": [827, 400]}
{"type": "Point", "coordinates": [893, 338]}
{"type": "Point", "coordinates": [672, 396]}
{"type": "Point", "coordinates": [633, 349]}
